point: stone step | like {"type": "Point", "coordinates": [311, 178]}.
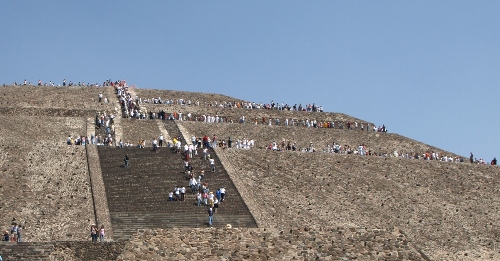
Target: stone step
{"type": "Point", "coordinates": [132, 223]}
{"type": "Point", "coordinates": [25, 250]}
{"type": "Point", "coordinates": [82, 250]}
{"type": "Point", "coordinates": [143, 203]}
{"type": "Point", "coordinates": [185, 209]}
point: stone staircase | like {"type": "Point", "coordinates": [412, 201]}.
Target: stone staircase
{"type": "Point", "coordinates": [99, 131]}
{"type": "Point", "coordinates": [174, 131]}
{"type": "Point", "coordinates": [138, 196]}
{"type": "Point", "coordinates": [25, 250]}
{"type": "Point", "coordinates": [60, 250]}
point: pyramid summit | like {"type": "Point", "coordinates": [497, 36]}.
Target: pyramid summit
{"type": "Point", "coordinates": [298, 184]}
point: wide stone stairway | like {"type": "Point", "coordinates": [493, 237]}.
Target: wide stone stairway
{"type": "Point", "coordinates": [138, 195]}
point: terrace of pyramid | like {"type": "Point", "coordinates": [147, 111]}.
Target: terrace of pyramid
{"type": "Point", "coordinates": [287, 205]}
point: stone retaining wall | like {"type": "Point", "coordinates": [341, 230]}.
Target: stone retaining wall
{"type": "Point", "coordinates": [98, 191]}
{"type": "Point", "coordinates": [271, 244]}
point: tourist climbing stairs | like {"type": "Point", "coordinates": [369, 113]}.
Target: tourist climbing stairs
{"type": "Point", "coordinates": [101, 131]}
{"type": "Point", "coordinates": [173, 130]}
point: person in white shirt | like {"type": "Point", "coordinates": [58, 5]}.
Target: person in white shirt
{"type": "Point", "coordinates": [212, 164]}
{"type": "Point", "coordinates": [177, 193]}
{"type": "Point", "coordinates": [205, 153]}
{"type": "Point", "coordinates": [183, 192]}
{"type": "Point", "coordinates": [155, 144]}
{"type": "Point", "coordinates": [192, 184]}
{"type": "Point", "coordinates": [178, 146]}
{"type": "Point", "coordinates": [160, 140]}
{"type": "Point", "coordinates": [222, 194]}
{"type": "Point", "coordinates": [199, 198]}
{"type": "Point", "coordinates": [216, 204]}
{"type": "Point", "coordinates": [274, 146]}
{"type": "Point", "coordinates": [190, 150]}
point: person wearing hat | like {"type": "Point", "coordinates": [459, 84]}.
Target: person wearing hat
{"type": "Point", "coordinates": [93, 232]}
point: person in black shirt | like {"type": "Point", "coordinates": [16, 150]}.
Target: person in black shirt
{"type": "Point", "coordinates": [126, 159]}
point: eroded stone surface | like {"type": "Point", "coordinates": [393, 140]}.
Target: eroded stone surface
{"type": "Point", "coordinates": [447, 210]}
{"type": "Point", "coordinates": [300, 243]}
{"type": "Point", "coordinates": [45, 184]}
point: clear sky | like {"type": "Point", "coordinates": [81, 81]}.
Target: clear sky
{"type": "Point", "coordinates": [428, 70]}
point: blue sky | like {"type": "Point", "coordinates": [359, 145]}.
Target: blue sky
{"type": "Point", "coordinates": [428, 70]}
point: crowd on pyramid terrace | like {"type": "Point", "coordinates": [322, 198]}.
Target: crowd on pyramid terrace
{"type": "Point", "coordinates": [70, 83]}
{"type": "Point", "coordinates": [131, 108]}
{"type": "Point", "coordinates": [286, 122]}
{"type": "Point", "coordinates": [131, 104]}
{"type": "Point", "coordinates": [103, 120]}
{"type": "Point", "coordinates": [363, 150]}
{"type": "Point", "coordinates": [311, 107]}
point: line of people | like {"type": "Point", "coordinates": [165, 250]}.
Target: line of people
{"type": "Point", "coordinates": [363, 150]}
{"type": "Point", "coordinates": [287, 122]}
{"type": "Point", "coordinates": [310, 107]}
{"type": "Point", "coordinates": [64, 83]}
